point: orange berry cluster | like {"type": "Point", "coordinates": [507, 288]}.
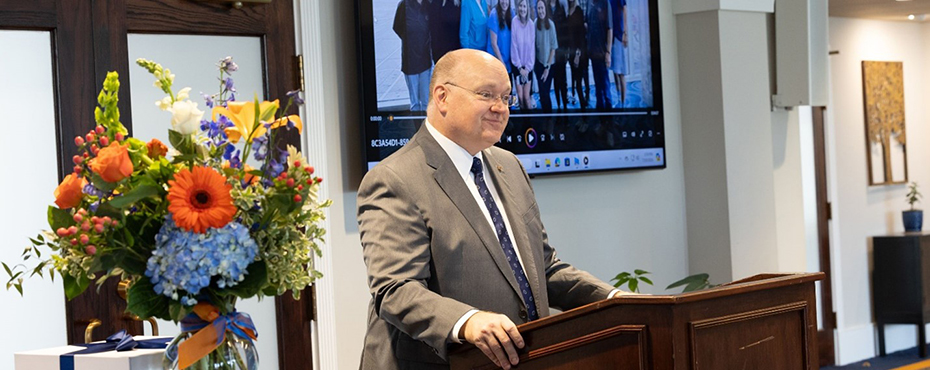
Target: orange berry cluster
{"type": "Point", "coordinates": [86, 230]}
{"type": "Point", "coordinates": [90, 145]}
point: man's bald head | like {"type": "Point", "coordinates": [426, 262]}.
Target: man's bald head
{"type": "Point", "coordinates": [465, 102]}
{"type": "Point", "coordinates": [456, 62]}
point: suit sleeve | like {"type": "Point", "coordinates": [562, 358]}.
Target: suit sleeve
{"type": "Point", "coordinates": [396, 249]}
{"type": "Point", "coordinates": [567, 286]}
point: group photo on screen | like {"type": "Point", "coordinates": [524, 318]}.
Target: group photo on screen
{"type": "Point", "coordinates": [562, 55]}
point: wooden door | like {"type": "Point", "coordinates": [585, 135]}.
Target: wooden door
{"type": "Point", "coordinates": [89, 38]}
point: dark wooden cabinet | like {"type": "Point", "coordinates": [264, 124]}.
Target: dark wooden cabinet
{"type": "Point", "coordinates": [901, 284]}
{"type": "Point", "coordinates": [765, 322]}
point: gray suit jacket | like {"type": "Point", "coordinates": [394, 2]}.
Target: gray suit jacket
{"type": "Point", "coordinates": [432, 255]}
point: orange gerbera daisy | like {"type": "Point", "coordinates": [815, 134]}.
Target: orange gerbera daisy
{"type": "Point", "coordinates": [200, 199]}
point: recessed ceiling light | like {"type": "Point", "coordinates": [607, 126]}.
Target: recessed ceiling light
{"type": "Point", "coordinates": [910, 16]}
{"type": "Point", "coordinates": [902, 0]}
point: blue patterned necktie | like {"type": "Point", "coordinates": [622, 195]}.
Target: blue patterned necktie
{"type": "Point", "coordinates": [504, 239]}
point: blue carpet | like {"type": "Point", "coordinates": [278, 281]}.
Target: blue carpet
{"type": "Point", "coordinates": [890, 361]}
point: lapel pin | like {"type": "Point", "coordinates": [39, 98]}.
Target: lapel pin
{"type": "Point", "coordinates": [500, 168]}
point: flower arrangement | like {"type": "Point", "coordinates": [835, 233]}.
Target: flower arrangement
{"type": "Point", "coordinates": [192, 227]}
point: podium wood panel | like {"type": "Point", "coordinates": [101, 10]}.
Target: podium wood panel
{"type": "Point", "coordinates": [763, 322]}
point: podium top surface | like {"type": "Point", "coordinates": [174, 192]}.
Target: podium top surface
{"type": "Point", "coordinates": [746, 285]}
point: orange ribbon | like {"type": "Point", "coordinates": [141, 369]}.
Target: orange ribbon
{"type": "Point", "coordinates": [210, 334]}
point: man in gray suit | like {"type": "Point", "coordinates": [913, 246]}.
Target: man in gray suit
{"type": "Point", "coordinates": [451, 256]}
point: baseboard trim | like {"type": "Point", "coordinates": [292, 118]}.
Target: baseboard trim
{"type": "Point", "coordinates": [861, 342]}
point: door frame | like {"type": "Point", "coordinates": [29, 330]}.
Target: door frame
{"type": "Point", "coordinates": [825, 337]}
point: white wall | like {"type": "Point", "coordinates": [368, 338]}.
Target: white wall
{"type": "Point", "coordinates": [861, 211]}
{"type": "Point", "coordinates": [604, 223]}
{"type": "Point", "coordinates": [30, 167]}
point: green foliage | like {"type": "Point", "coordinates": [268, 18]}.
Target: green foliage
{"type": "Point", "coordinates": [631, 280]}
{"type": "Point", "coordinates": [256, 278]}
{"type": "Point", "coordinates": [913, 196]}
{"type": "Point", "coordinates": [58, 218]}
{"type": "Point", "coordinates": [144, 302]}
{"type": "Point", "coordinates": [693, 283]}
{"type": "Point", "coordinates": [102, 184]}
{"type": "Point", "coordinates": [75, 285]}
{"type": "Point", "coordinates": [184, 144]}
{"type": "Point", "coordinates": [134, 195]}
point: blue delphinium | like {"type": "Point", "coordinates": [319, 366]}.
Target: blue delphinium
{"type": "Point", "coordinates": [258, 145]}
{"type": "Point", "coordinates": [184, 262]}
{"type": "Point", "coordinates": [295, 94]}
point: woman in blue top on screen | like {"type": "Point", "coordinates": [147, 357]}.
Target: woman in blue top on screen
{"type": "Point", "coordinates": [523, 53]}
{"type": "Point", "coordinates": [499, 32]}
{"type": "Point", "coordinates": [473, 29]}
{"type": "Point", "coordinates": [546, 45]}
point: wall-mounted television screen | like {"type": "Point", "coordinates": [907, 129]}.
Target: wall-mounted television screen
{"type": "Point", "coordinates": [586, 72]}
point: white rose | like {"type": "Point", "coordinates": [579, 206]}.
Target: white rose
{"type": "Point", "coordinates": [185, 117]}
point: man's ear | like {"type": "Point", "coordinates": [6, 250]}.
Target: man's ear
{"type": "Point", "coordinates": [440, 94]}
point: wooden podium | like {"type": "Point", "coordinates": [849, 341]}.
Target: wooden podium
{"type": "Point", "coordinates": [766, 321]}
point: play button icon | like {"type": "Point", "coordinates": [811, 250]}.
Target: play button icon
{"type": "Point", "coordinates": [531, 138]}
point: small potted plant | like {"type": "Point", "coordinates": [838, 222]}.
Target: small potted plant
{"type": "Point", "coordinates": [913, 218]}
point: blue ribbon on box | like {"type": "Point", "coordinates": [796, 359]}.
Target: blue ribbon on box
{"type": "Point", "coordinates": [120, 342]}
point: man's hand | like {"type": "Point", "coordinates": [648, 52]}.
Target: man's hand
{"type": "Point", "coordinates": [496, 336]}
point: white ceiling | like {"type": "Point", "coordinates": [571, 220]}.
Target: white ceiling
{"type": "Point", "coordinates": [880, 9]}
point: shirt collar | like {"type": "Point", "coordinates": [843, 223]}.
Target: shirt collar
{"type": "Point", "coordinates": [459, 156]}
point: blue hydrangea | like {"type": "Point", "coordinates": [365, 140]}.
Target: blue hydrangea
{"type": "Point", "coordinates": [184, 262]}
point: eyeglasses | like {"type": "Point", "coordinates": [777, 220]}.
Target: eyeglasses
{"type": "Point", "coordinates": [509, 100]}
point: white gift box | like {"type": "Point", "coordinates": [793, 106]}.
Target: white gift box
{"type": "Point", "coordinates": [48, 359]}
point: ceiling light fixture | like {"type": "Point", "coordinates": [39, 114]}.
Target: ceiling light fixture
{"type": "Point", "coordinates": [910, 17]}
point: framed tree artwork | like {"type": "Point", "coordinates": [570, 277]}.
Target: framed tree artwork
{"type": "Point", "coordinates": [886, 142]}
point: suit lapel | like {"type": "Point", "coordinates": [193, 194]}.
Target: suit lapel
{"type": "Point", "coordinates": [451, 183]}
{"type": "Point", "coordinates": [517, 226]}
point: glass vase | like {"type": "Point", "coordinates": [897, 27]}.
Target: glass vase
{"type": "Point", "coordinates": [234, 353]}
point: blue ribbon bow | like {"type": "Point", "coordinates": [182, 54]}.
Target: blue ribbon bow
{"type": "Point", "coordinates": [234, 321]}
{"type": "Point", "coordinates": [121, 341]}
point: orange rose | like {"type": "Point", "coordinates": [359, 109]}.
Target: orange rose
{"type": "Point", "coordinates": [68, 194]}
{"type": "Point", "coordinates": [112, 163]}
{"type": "Point", "coordinates": [156, 148]}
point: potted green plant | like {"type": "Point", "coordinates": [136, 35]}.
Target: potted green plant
{"type": "Point", "coordinates": [631, 280]}
{"type": "Point", "coordinates": [913, 218]}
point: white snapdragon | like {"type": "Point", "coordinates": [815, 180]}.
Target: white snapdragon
{"type": "Point", "coordinates": [164, 103]}
{"type": "Point", "coordinates": [184, 94]}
